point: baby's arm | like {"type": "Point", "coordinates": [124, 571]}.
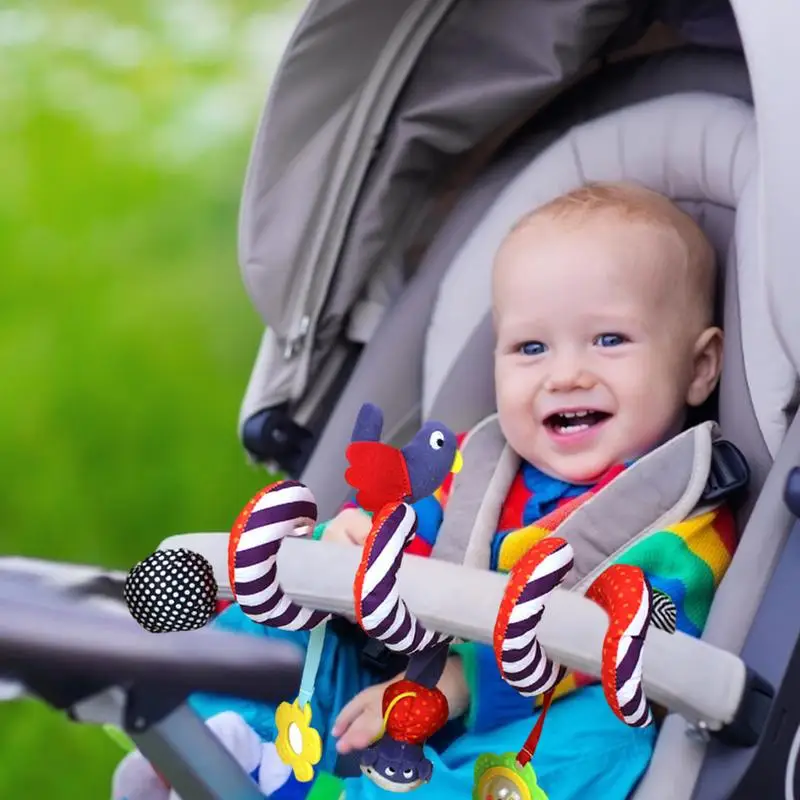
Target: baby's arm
{"type": "Point", "coordinates": [352, 526]}
{"type": "Point", "coordinates": [360, 722]}
{"type": "Point", "coordinates": [472, 684]}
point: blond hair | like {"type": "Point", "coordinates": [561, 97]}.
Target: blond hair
{"type": "Point", "coordinates": [633, 202]}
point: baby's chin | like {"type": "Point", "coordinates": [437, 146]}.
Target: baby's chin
{"type": "Point", "coordinates": [579, 469]}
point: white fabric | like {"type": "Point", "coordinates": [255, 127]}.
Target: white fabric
{"type": "Point", "coordinates": [135, 779]}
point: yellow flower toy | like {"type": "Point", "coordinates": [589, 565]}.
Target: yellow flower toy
{"type": "Point", "coordinates": [298, 744]}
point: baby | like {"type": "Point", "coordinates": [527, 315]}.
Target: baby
{"type": "Point", "coordinates": [602, 302]}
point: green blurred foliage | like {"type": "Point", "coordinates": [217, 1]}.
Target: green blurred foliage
{"type": "Point", "coordinates": [126, 338]}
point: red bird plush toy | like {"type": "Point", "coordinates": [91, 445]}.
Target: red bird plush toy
{"type": "Point", "coordinates": [382, 474]}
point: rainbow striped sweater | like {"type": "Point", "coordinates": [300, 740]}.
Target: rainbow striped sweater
{"type": "Point", "coordinates": [685, 561]}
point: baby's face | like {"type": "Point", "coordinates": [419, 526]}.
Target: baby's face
{"type": "Point", "coordinates": [595, 354]}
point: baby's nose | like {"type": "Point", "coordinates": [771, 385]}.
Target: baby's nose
{"type": "Point", "coordinates": [567, 375]}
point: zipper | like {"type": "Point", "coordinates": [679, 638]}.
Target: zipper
{"type": "Point", "coordinates": [294, 342]}
{"type": "Point", "coordinates": [359, 147]}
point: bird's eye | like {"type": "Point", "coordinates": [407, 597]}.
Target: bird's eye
{"type": "Point", "coordinates": [390, 771]}
{"type": "Point", "coordinates": [408, 774]}
{"type": "Point", "coordinates": [437, 440]}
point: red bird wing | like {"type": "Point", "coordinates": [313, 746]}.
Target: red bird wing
{"type": "Point", "coordinates": [378, 473]}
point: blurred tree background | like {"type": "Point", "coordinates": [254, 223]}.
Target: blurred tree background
{"type": "Point", "coordinates": [126, 338]}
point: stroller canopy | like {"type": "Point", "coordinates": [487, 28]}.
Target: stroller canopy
{"type": "Point", "coordinates": [376, 113]}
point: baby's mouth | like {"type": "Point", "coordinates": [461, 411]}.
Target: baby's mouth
{"type": "Point", "coordinates": [569, 422]}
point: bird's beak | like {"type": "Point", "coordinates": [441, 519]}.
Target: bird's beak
{"type": "Point", "coordinates": [458, 462]}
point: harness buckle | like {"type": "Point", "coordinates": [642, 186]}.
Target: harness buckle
{"type": "Point", "coordinates": [729, 473]}
{"type": "Point", "coordinates": [378, 658]}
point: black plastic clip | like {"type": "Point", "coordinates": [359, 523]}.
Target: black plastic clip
{"type": "Point", "coordinates": [147, 705]}
{"type": "Point", "coordinates": [272, 436]}
{"type": "Point", "coordinates": [378, 658]}
{"type": "Point", "coordinates": [729, 473]}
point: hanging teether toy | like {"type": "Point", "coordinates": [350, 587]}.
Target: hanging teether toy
{"type": "Point", "coordinates": [624, 593]}
{"type": "Point", "coordinates": [387, 481]}
{"type": "Point", "coordinates": [286, 508]}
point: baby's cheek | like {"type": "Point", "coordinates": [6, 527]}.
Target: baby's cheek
{"type": "Point", "coordinates": [518, 427]}
{"type": "Point", "coordinates": [653, 421]}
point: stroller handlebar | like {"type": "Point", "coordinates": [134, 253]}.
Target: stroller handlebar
{"type": "Point", "coordinates": [686, 675]}
{"type": "Point", "coordinates": [46, 630]}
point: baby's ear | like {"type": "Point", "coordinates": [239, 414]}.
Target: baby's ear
{"type": "Point", "coordinates": [706, 366]}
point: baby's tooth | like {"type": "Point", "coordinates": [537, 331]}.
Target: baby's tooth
{"type": "Point", "coordinates": [574, 428]}
{"type": "Point", "coordinates": [573, 414]}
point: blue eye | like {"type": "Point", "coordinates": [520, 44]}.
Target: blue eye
{"type": "Point", "coordinates": [610, 340]}
{"type": "Point", "coordinates": [532, 348]}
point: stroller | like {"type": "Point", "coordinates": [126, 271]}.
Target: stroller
{"type": "Point", "coordinates": [399, 143]}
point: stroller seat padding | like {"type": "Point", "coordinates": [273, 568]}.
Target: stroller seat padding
{"type": "Point", "coordinates": [700, 150]}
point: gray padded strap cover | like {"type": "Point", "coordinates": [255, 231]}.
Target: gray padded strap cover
{"type": "Point", "coordinates": [660, 489]}
{"type": "Point", "coordinates": [476, 496]}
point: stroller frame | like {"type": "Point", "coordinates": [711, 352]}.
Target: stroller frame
{"type": "Point", "coordinates": [137, 681]}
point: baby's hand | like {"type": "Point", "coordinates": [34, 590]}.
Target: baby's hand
{"type": "Point", "coordinates": [360, 722]}
{"type": "Point", "coordinates": [351, 526]}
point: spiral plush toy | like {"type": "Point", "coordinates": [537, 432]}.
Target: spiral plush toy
{"type": "Point", "coordinates": [387, 480]}
{"type": "Point", "coordinates": [624, 593]}
{"type": "Point", "coordinates": [286, 508]}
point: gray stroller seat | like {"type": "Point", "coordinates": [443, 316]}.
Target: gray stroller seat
{"type": "Point", "coordinates": [700, 149]}
{"type": "Point", "coordinates": [431, 356]}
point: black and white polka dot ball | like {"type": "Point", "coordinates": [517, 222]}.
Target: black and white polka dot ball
{"type": "Point", "coordinates": [171, 590]}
